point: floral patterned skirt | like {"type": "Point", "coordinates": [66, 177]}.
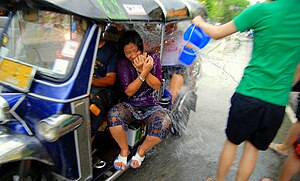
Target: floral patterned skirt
{"type": "Point", "coordinates": [156, 119]}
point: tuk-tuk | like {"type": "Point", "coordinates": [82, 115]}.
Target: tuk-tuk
{"type": "Point", "coordinates": [47, 56]}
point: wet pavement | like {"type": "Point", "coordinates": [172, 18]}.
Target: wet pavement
{"type": "Point", "coordinates": [194, 156]}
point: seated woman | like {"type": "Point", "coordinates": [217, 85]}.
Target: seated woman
{"type": "Point", "coordinates": [140, 78]}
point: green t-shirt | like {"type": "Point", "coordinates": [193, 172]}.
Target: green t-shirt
{"type": "Point", "coordinates": [276, 50]}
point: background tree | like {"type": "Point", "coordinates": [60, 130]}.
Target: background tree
{"type": "Point", "coordinates": [224, 10]}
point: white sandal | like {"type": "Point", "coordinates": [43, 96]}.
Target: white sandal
{"type": "Point", "coordinates": [137, 158]}
{"type": "Point", "coordinates": [122, 159]}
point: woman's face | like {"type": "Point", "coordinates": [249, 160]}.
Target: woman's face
{"type": "Point", "coordinates": [131, 51]}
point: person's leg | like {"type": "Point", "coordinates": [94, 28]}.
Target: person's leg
{"type": "Point", "coordinates": [290, 167]}
{"type": "Point", "coordinates": [117, 122]}
{"type": "Point", "coordinates": [95, 123]}
{"type": "Point", "coordinates": [176, 83]}
{"type": "Point", "coordinates": [158, 128]}
{"type": "Point", "coordinates": [119, 134]}
{"type": "Point", "coordinates": [98, 98]}
{"type": "Point", "coordinates": [294, 130]}
{"type": "Point", "coordinates": [234, 138]}
{"type": "Point", "coordinates": [284, 147]}
{"type": "Point", "coordinates": [239, 127]}
{"type": "Point", "coordinates": [149, 142]}
{"type": "Point", "coordinates": [226, 159]}
{"type": "Point", "coordinates": [292, 163]}
{"type": "Point", "coordinates": [247, 162]}
{"type": "Point", "coordinates": [92, 139]}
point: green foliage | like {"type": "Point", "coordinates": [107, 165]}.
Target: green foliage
{"type": "Point", "coordinates": [224, 10]}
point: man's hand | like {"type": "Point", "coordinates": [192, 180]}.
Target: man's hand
{"type": "Point", "coordinates": [198, 20]}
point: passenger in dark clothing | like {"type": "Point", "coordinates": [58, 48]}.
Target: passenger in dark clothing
{"type": "Point", "coordinates": [104, 93]}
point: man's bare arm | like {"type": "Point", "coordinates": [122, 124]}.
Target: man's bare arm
{"type": "Point", "coordinates": [216, 32]}
{"type": "Point", "coordinates": [107, 81]}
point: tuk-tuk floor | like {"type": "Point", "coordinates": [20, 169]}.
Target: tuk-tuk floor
{"type": "Point", "coordinates": [106, 149]}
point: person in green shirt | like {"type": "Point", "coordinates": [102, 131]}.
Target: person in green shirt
{"type": "Point", "coordinates": [258, 104]}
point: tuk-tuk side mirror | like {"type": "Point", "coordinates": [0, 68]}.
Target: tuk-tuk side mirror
{"type": "Point", "coordinates": [30, 15]}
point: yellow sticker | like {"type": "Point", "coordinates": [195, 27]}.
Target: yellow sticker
{"type": "Point", "coordinates": [4, 40]}
{"type": "Point", "coordinates": [16, 74]}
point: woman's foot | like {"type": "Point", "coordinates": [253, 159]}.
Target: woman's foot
{"type": "Point", "coordinates": [137, 159]}
{"type": "Point", "coordinates": [121, 160]}
{"type": "Point", "coordinates": [279, 148]}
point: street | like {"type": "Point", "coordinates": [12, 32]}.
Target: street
{"type": "Point", "coordinates": [194, 156]}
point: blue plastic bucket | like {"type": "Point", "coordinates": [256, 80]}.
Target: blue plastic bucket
{"type": "Point", "coordinates": [195, 35]}
{"type": "Point", "coordinates": [187, 56]}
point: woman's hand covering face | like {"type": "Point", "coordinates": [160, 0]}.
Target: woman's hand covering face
{"type": "Point", "coordinates": [143, 63]}
{"type": "Point", "coordinates": [148, 64]}
{"type": "Point", "coordinates": [139, 62]}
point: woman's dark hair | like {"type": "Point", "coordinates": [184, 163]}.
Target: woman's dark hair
{"type": "Point", "coordinates": [127, 37]}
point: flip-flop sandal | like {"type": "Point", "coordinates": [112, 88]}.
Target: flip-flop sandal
{"type": "Point", "coordinates": [210, 179]}
{"type": "Point", "coordinates": [273, 147]}
{"type": "Point", "coordinates": [122, 159]}
{"type": "Point", "coordinates": [137, 158]}
{"type": "Point", "coordinates": [265, 179]}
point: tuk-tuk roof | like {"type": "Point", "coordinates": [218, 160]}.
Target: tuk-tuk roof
{"type": "Point", "coordinates": [117, 10]}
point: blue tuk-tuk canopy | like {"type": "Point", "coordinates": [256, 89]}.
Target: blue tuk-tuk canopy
{"type": "Point", "coordinates": [116, 10]}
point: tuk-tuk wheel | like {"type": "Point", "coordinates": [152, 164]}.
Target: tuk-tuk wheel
{"type": "Point", "coordinates": [11, 172]}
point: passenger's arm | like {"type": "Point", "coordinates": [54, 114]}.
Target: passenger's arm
{"type": "Point", "coordinates": [297, 75]}
{"type": "Point", "coordinates": [133, 87]}
{"type": "Point", "coordinates": [216, 32]}
{"type": "Point", "coordinates": [107, 81]}
{"type": "Point", "coordinates": [153, 81]}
